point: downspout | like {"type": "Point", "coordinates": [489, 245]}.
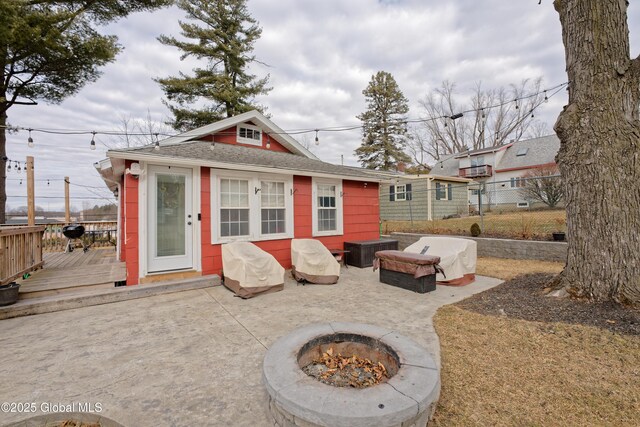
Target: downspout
{"type": "Point", "coordinates": [429, 198]}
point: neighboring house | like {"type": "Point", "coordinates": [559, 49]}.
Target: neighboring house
{"type": "Point", "coordinates": [423, 197]}
{"type": "Point", "coordinates": [501, 168]}
{"type": "Point", "coordinates": [242, 178]}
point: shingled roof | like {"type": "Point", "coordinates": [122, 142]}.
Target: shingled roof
{"type": "Point", "coordinates": [234, 155]}
{"type": "Point", "coordinates": [533, 152]}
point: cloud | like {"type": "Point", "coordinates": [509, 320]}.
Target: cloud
{"type": "Point", "coordinates": [320, 57]}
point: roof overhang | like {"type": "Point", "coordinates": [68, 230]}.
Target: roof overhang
{"type": "Point", "coordinates": [119, 156]}
{"type": "Point", "coordinates": [110, 172]}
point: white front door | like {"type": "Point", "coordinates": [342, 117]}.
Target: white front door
{"type": "Point", "coordinates": [170, 238]}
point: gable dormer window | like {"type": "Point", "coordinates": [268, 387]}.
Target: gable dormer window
{"type": "Point", "coordinates": [248, 134]}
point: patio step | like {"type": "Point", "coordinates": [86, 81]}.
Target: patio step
{"type": "Point", "coordinates": [71, 298]}
{"type": "Point", "coordinates": [37, 293]}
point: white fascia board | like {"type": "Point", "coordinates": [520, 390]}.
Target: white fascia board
{"type": "Point", "coordinates": [177, 161]}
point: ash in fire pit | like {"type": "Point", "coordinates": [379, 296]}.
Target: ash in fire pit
{"type": "Point", "coordinates": [349, 374]}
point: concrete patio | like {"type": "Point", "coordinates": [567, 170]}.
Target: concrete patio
{"type": "Point", "coordinates": [193, 357]}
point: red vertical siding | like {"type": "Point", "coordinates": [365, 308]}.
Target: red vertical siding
{"type": "Point", "coordinates": [229, 136]}
{"type": "Point", "coordinates": [123, 222]}
{"type": "Point", "coordinates": [360, 220]}
{"type": "Point", "coordinates": [131, 230]}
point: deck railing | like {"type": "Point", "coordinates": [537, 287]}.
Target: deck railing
{"type": "Point", "coordinates": [97, 234]}
{"type": "Point", "coordinates": [20, 251]}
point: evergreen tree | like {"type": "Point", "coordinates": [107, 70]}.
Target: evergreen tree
{"type": "Point", "coordinates": [384, 124]}
{"type": "Point", "coordinates": [50, 49]}
{"type": "Point", "coordinates": [223, 35]}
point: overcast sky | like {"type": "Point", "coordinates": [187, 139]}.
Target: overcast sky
{"type": "Point", "coordinates": [320, 56]}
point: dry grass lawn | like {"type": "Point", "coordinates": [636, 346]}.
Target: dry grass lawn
{"type": "Point", "coordinates": [536, 225]}
{"type": "Point", "coordinates": [505, 371]}
{"type": "Point", "coordinates": [502, 371]}
{"type": "Point", "coordinates": [507, 269]}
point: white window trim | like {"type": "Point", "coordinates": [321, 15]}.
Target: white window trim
{"type": "Point", "coordinates": [403, 192]}
{"type": "Point", "coordinates": [255, 215]}
{"type": "Point", "coordinates": [314, 207]}
{"type": "Point", "coordinates": [248, 141]}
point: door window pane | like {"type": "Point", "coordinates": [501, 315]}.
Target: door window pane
{"type": "Point", "coordinates": [170, 215]}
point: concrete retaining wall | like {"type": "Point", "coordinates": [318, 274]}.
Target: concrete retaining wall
{"type": "Point", "coordinates": [501, 248]}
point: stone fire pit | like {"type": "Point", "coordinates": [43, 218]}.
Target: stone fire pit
{"type": "Point", "coordinates": [406, 399]}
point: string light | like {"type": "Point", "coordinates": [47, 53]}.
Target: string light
{"type": "Point", "coordinates": [268, 142]}
{"type": "Point", "coordinates": [9, 166]}
{"type": "Point", "coordinates": [212, 146]}
{"type": "Point", "coordinates": [92, 145]}
{"type": "Point", "coordinates": [157, 146]}
{"type": "Point", "coordinates": [290, 132]}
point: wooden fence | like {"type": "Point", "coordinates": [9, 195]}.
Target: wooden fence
{"type": "Point", "coordinates": [97, 234]}
{"type": "Point", "coordinates": [20, 251]}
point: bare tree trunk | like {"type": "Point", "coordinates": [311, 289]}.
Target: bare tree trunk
{"type": "Point", "coordinates": [599, 153]}
{"type": "Point", "coordinates": [3, 166]}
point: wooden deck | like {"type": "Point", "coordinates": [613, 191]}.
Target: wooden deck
{"type": "Point", "coordinates": [75, 270]}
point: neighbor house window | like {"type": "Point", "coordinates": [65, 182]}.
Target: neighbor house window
{"type": "Point", "coordinates": [444, 191]}
{"type": "Point", "coordinates": [273, 212]}
{"type": "Point", "coordinates": [327, 207]}
{"type": "Point", "coordinates": [234, 207]}
{"type": "Point", "coordinates": [399, 192]}
{"type": "Point", "coordinates": [517, 182]}
{"type": "Point", "coordinates": [248, 134]}
{"type": "Point", "coordinates": [250, 206]}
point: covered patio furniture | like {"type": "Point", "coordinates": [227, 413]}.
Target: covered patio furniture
{"type": "Point", "coordinates": [249, 271]}
{"type": "Point", "coordinates": [407, 270]}
{"type": "Point", "coordinates": [457, 258]}
{"type": "Point", "coordinates": [312, 262]}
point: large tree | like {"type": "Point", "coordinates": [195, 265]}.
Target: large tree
{"type": "Point", "coordinates": [49, 50]}
{"type": "Point", "coordinates": [599, 155]}
{"type": "Point", "coordinates": [223, 35]}
{"type": "Point", "coordinates": [384, 124]}
{"type": "Point", "coordinates": [495, 118]}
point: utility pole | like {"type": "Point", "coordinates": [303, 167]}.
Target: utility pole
{"type": "Point", "coordinates": [67, 209]}
{"type": "Point", "coordinates": [31, 194]}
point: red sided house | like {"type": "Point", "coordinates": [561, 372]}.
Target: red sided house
{"type": "Point", "coordinates": [241, 178]}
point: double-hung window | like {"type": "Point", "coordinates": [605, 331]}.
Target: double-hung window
{"type": "Point", "coordinates": [327, 208]}
{"type": "Point", "coordinates": [444, 191]}
{"type": "Point", "coordinates": [234, 207]}
{"type": "Point", "coordinates": [272, 207]}
{"type": "Point", "coordinates": [251, 207]}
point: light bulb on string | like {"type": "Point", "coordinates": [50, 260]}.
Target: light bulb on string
{"type": "Point", "coordinates": [212, 146]}
{"type": "Point", "coordinates": [546, 98]}
{"type": "Point", "coordinates": [483, 115]}
{"type": "Point", "coordinates": [19, 168]}
{"type": "Point", "coordinates": [157, 145]}
{"type": "Point", "coordinates": [48, 183]}
{"type": "Point", "coordinates": [9, 166]}
{"type": "Point", "coordinates": [92, 145]}
{"type": "Point", "coordinates": [317, 140]}
{"type": "Point", "coordinates": [268, 145]}
{"type": "Point", "coordinates": [30, 139]}
{"type": "Point", "coordinates": [516, 101]}
{"type": "Point", "coordinates": [20, 181]}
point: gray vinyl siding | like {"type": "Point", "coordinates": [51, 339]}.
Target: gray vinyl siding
{"type": "Point", "coordinates": [404, 210]}
{"type": "Point", "coordinates": [459, 203]}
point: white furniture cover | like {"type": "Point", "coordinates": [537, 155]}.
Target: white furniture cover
{"type": "Point", "coordinates": [458, 257]}
{"type": "Point", "coordinates": [312, 262]}
{"type": "Point", "coordinates": [249, 271]}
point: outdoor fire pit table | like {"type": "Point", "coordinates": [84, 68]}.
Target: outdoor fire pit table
{"type": "Point", "coordinates": [406, 398]}
{"type": "Point", "coordinates": [407, 270]}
